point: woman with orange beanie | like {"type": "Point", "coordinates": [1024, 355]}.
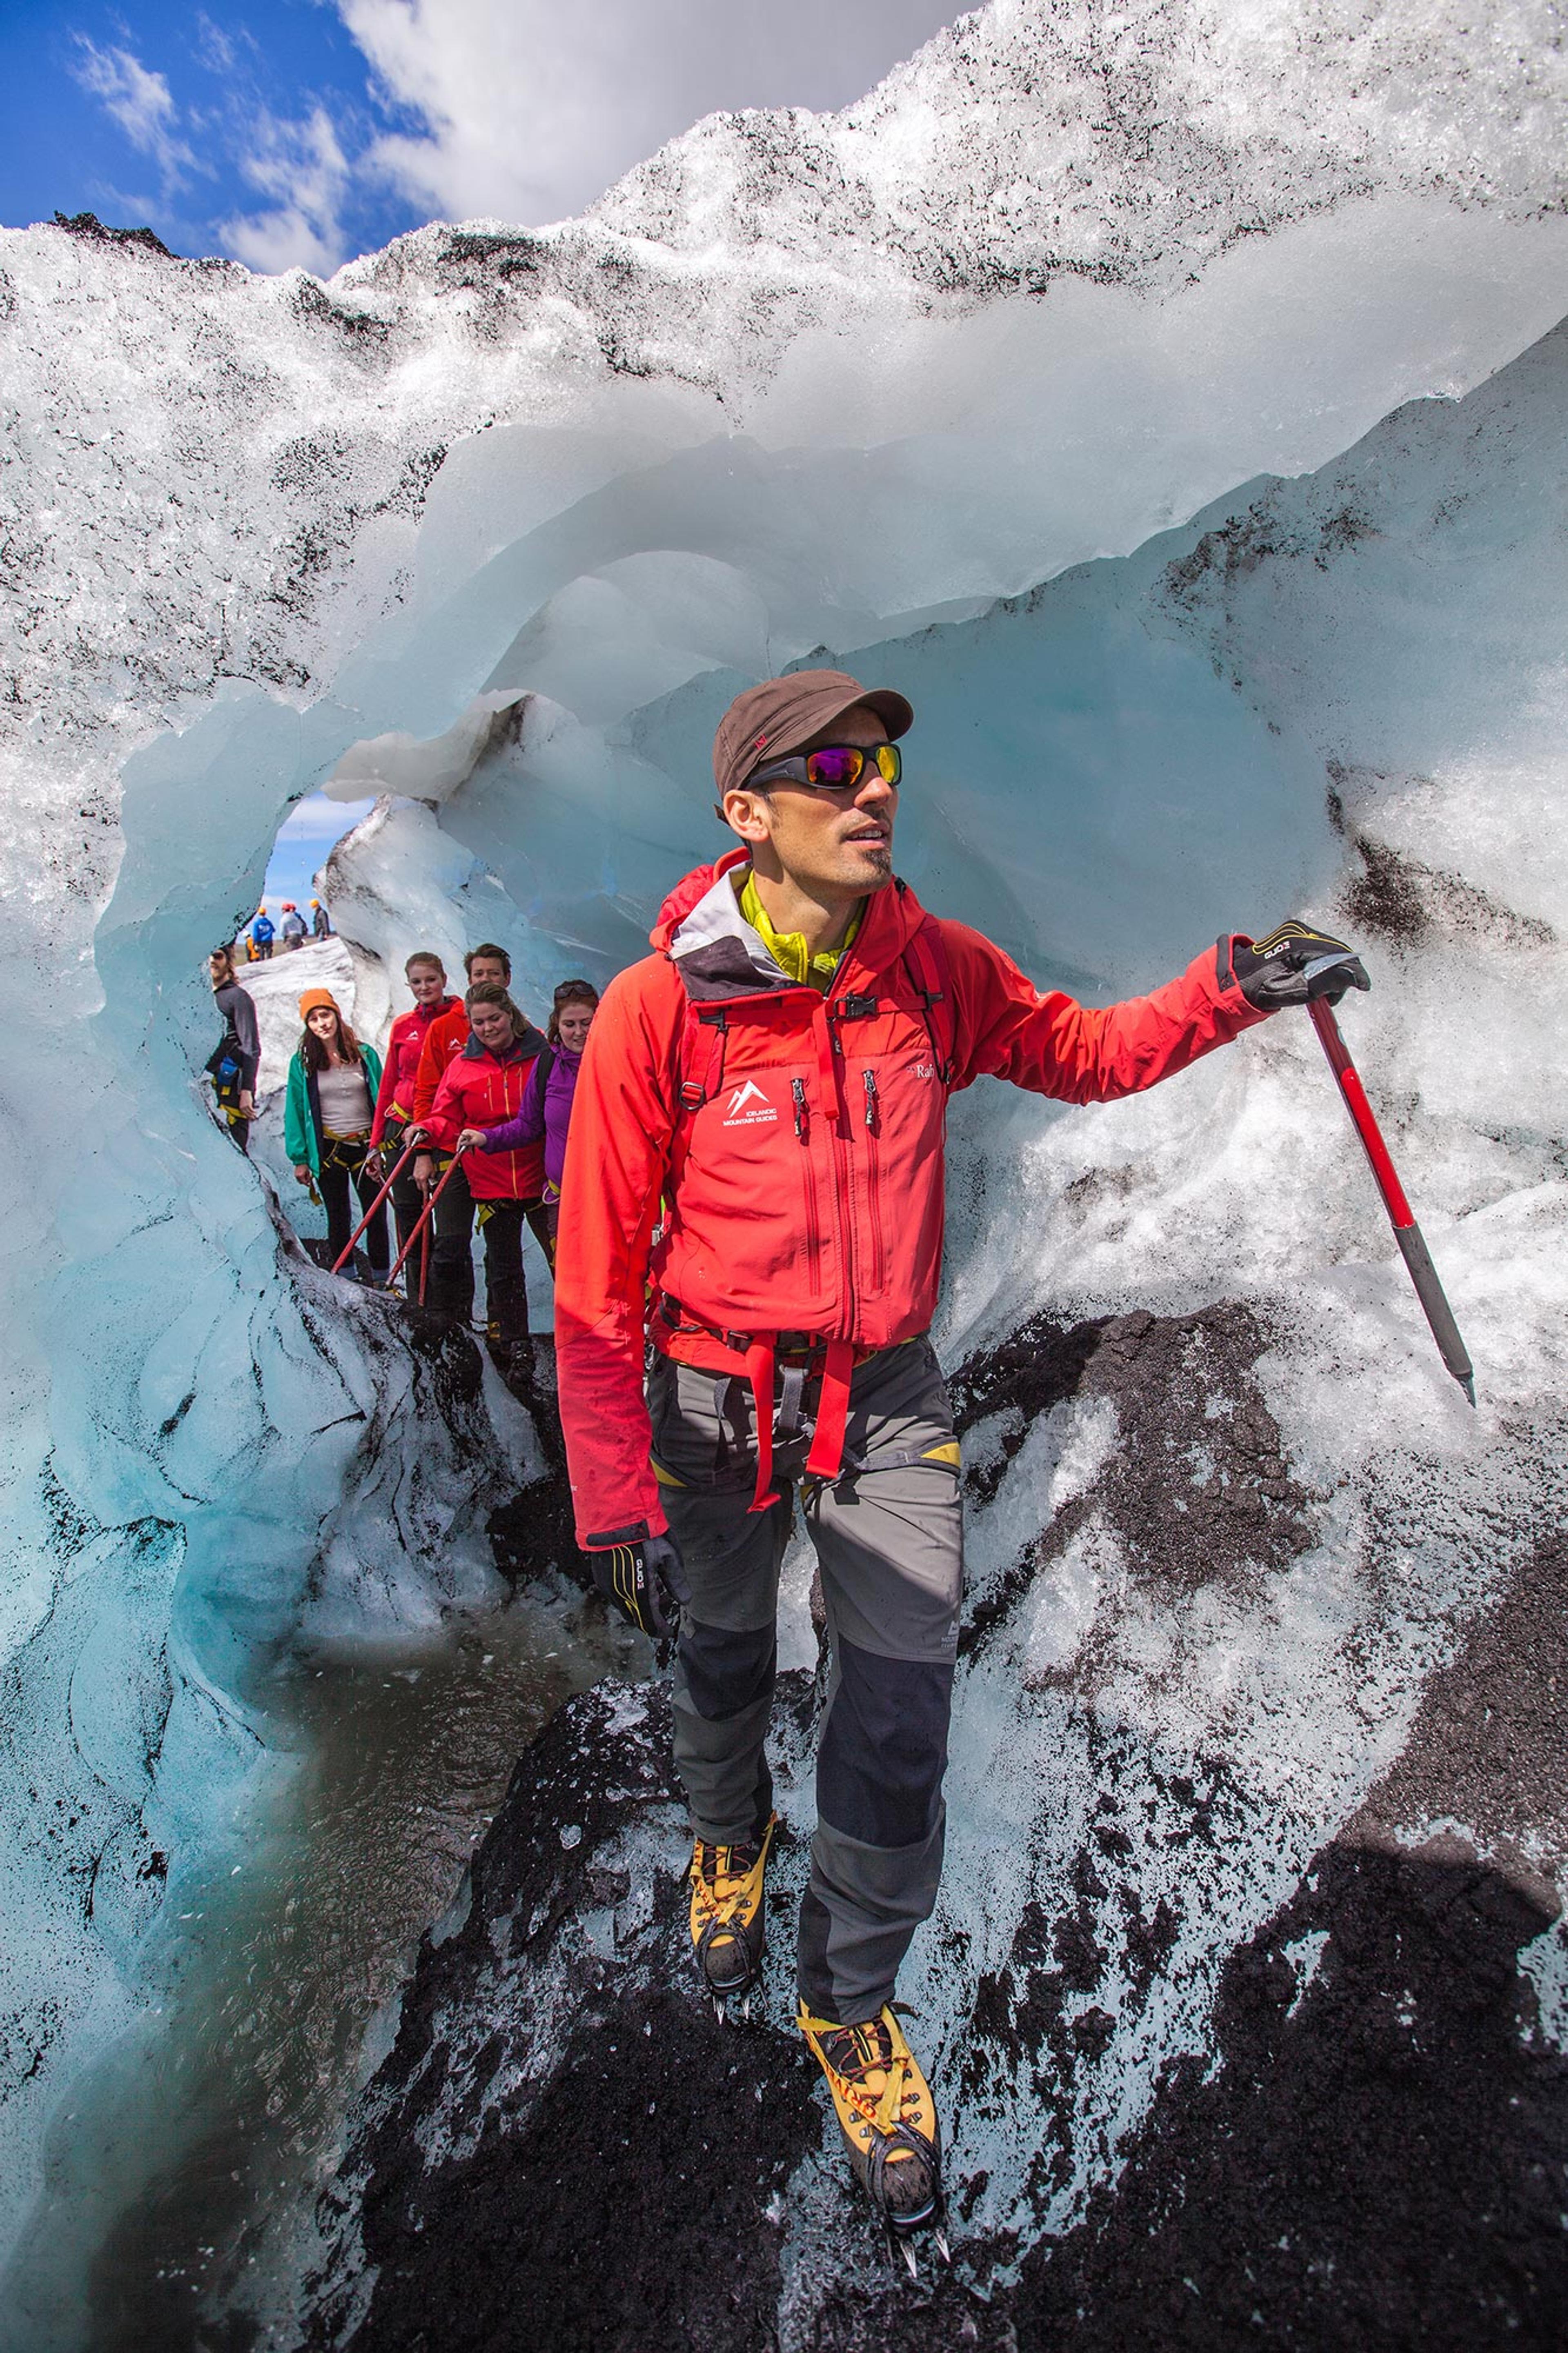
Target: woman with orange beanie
{"type": "Point", "coordinates": [327, 1115]}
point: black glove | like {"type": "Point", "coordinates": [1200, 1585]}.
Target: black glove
{"type": "Point", "coordinates": [1294, 964]}
{"type": "Point", "coordinates": [647, 1583]}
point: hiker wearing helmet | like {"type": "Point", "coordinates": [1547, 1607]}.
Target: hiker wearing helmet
{"type": "Point", "coordinates": [327, 1114]}
{"type": "Point", "coordinates": [261, 931]}
{"type": "Point", "coordinates": [293, 928]}
{"type": "Point", "coordinates": [483, 1087]}
{"type": "Point", "coordinates": [769, 1092]}
{"type": "Point", "coordinates": [320, 922]}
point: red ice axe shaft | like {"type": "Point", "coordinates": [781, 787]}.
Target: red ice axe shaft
{"type": "Point", "coordinates": [1406, 1232]}
{"type": "Point", "coordinates": [348, 1247]}
{"type": "Point", "coordinates": [425, 1215]}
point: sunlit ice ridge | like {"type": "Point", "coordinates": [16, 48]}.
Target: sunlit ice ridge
{"type": "Point", "coordinates": [1170, 402]}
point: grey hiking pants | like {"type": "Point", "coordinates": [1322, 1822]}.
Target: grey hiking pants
{"type": "Point", "coordinates": [888, 1540]}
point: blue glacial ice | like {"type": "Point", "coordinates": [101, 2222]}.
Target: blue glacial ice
{"type": "Point", "coordinates": [1201, 488]}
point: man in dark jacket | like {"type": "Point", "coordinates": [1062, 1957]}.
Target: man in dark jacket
{"type": "Point", "coordinates": [234, 1062]}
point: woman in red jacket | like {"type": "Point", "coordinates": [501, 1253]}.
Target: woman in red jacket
{"type": "Point", "coordinates": [426, 977]}
{"type": "Point", "coordinates": [481, 1087]}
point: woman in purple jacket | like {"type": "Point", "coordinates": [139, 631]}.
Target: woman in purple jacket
{"type": "Point", "coordinates": [546, 1109]}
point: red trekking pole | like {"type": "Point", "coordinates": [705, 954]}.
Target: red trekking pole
{"type": "Point", "coordinates": [1406, 1232]}
{"type": "Point", "coordinates": [425, 1216]}
{"type": "Point", "coordinates": [347, 1250]}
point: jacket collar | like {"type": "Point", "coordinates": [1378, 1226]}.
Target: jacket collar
{"type": "Point", "coordinates": [527, 1047]}
{"type": "Point", "coordinates": [719, 955]}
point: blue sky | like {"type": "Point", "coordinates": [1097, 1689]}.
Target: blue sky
{"type": "Point", "coordinates": [203, 124]}
{"type": "Point", "coordinates": [301, 133]}
{"type": "Point", "coordinates": [308, 833]}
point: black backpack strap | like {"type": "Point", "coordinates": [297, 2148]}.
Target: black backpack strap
{"type": "Point", "coordinates": [925, 961]}
{"type": "Point", "coordinates": [692, 1091]}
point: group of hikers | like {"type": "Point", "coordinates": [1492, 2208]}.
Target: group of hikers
{"type": "Point", "coordinates": [464, 1122]}
{"type": "Point", "coordinates": [745, 1279]}
{"type": "Point", "coordinates": [294, 931]}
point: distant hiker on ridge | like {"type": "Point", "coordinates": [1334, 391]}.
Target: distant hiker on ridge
{"type": "Point", "coordinates": [769, 1091]}
{"type": "Point", "coordinates": [294, 928]}
{"type": "Point", "coordinates": [261, 931]}
{"type": "Point", "coordinates": [320, 922]}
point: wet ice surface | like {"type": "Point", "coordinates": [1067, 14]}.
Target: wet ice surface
{"type": "Point", "coordinates": [205, 2138]}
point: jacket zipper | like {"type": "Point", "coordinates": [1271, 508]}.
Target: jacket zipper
{"type": "Point", "coordinates": [874, 1178]}
{"type": "Point", "coordinates": [808, 1186]}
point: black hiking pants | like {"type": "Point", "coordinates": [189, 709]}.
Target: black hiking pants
{"type": "Point", "coordinates": [506, 1286]}
{"type": "Point", "coordinates": [450, 1291]}
{"type": "Point", "coordinates": [408, 1200]}
{"type": "Point", "coordinates": [342, 1163]}
{"type": "Point", "coordinates": [888, 1534]}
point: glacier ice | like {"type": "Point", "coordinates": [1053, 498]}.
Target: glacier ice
{"type": "Point", "coordinates": [1191, 461]}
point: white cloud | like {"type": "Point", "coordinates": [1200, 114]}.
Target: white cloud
{"type": "Point", "coordinates": [317, 819]}
{"type": "Point", "coordinates": [302, 166]}
{"type": "Point", "coordinates": [533, 108]}
{"type": "Point", "coordinates": [141, 102]}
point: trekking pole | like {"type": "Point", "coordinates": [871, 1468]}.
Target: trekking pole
{"type": "Point", "coordinates": [348, 1247]}
{"type": "Point", "coordinates": [425, 1216]}
{"type": "Point", "coordinates": [1406, 1232]}
{"type": "Point", "coordinates": [423, 1263]}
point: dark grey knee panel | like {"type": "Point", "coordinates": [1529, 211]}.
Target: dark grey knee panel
{"type": "Point", "coordinates": [884, 1748]}
{"type": "Point", "coordinates": [722, 1672]}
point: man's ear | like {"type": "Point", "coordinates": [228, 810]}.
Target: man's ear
{"type": "Point", "coordinates": [746, 814]}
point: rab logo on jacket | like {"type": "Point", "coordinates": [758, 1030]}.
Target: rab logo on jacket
{"type": "Point", "coordinates": [749, 1107]}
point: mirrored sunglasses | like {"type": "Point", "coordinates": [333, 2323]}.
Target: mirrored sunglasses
{"type": "Point", "coordinates": [835, 767]}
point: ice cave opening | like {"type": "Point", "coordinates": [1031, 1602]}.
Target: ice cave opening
{"type": "Point", "coordinates": [1224, 586]}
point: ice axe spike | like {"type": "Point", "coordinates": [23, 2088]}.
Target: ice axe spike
{"type": "Point", "coordinates": [1406, 1232]}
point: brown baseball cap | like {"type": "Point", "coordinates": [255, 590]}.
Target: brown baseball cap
{"type": "Point", "coordinates": [771, 721]}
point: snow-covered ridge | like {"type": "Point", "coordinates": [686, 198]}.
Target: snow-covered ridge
{"type": "Point", "coordinates": [198, 459]}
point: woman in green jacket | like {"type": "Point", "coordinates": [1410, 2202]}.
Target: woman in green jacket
{"type": "Point", "coordinates": [327, 1114]}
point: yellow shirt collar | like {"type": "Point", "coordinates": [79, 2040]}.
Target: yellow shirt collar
{"type": "Point", "coordinates": [788, 949]}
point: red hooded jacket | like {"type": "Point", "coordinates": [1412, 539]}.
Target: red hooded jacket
{"type": "Point", "coordinates": [404, 1047]}
{"type": "Point", "coordinates": [796, 1142]}
{"type": "Point", "coordinates": [480, 1089]}
{"type": "Point", "coordinates": [447, 1035]}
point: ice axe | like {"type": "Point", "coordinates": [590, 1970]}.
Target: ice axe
{"type": "Point", "coordinates": [1413, 1249]}
{"type": "Point", "coordinates": [425, 1216]}
{"type": "Point", "coordinates": [347, 1250]}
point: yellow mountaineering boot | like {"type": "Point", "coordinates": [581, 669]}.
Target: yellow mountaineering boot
{"type": "Point", "coordinates": [888, 2118]}
{"type": "Point", "coordinates": [727, 1924]}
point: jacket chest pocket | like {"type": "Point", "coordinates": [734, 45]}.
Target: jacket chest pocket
{"type": "Point", "coordinates": [751, 1190]}
{"type": "Point", "coordinates": [897, 1107]}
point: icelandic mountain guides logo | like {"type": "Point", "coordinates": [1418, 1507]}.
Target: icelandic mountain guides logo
{"type": "Point", "coordinates": [748, 1107]}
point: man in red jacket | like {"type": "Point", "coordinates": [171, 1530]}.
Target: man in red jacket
{"type": "Point", "coordinates": [768, 1092]}
{"type": "Point", "coordinates": [426, 977]}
